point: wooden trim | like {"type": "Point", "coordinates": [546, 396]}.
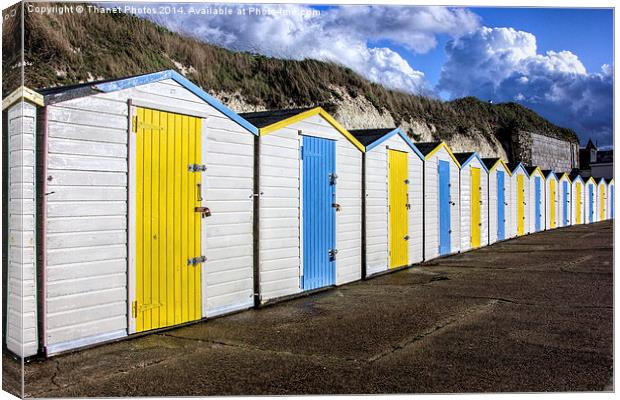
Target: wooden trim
{"type": "Point", "coordinates": [444, 146]}
{"type": "Point", "coordinates": [310, 113]}
{"type": "Point", "coordinates": [23, 93]}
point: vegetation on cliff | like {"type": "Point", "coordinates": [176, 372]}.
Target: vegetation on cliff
{"type": "Point", "coordinates": [63, 49]}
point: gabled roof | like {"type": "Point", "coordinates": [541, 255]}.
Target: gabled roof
{"type": "Point", "coordinates": [57, 94]}
{"type": "Point", "coordinates": [532, 171]}
{"type": "Point", "coordinates": [430, 148]}
{"type": "Point", "coordinates": [371, 138]}
{"type": "Point", "coordinates": [562, 175]}
{"type": "Point", "coordinates": [492, 163]}
{"type": "Point", "coordinates": [22, 93]}
{"type": "Point", "coordinates": [599, 180]}
{"type": "Point", "coordinates": [515, 166]}
{"type": "Point", "coordinates": [573, 176]}
{"type": "Point", "coordinates": [611, 181]}
{"type": "Point", "coordinates": [466, 158]}
{"type": "Point", "coordinates": [548, 172]}
{"type": "Point", "coordinates": [270, 121]}
{"type": "Point", "coordinates": [590, 179]}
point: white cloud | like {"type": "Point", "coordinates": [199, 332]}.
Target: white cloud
{"type": "Point", "coordinates": [340, 34]}
{"type": "Point", "coordinates": [502, 64]}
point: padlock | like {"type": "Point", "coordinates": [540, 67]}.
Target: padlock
{"type": "Point", "coordinates": [204, 211]}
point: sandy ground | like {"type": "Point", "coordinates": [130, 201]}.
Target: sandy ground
{"type": "Point", "coordinates": [530, 314]}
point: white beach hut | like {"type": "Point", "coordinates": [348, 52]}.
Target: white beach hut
{"type": "Point", "coordinates": [590, 201]}
{"type": "Point", "coordinates": [519, 195]}
{"type": "Point", "coordinates": [601, 198]}
{"type": "Point", "coordinates": [441, 200]}
{"type": "Point", "coordinates": [611, 186]}
{"type": "Point", "coordinates": [564, 200]}
{"type": "Point", "coordinates": [309, 221]}
{"type": "Point", "coordinates": [474, 201]}
{"type": "Point", "coordinates": [552, 203]}
{"type": "Point", "coordinates": [499, 198]}
{"type": "Point", "coordinates": [537, 203]}
{"type": "Point", "coordinates": [144, 209]}
{"type": "Point", "coordinates": [393, 200]}
{"type": "Point", "coordinates": [578, 199]}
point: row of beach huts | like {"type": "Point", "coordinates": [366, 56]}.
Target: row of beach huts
{"type": "Point", "coordinates": [142, 203]}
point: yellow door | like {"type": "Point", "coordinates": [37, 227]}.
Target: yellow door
{"type": "Point", "coordinates": [520, 205]}
{"type": "Point", "coordinates": [399, 207]}
{"type": "Point", "coordinates": [552, 202]}
{"type": "Point", "coordinates": [167, 225]}
{"type": "Point", "coordinates": [602, 203]}
{"type": "Point", "coordinates": [475, 207]}
{"type": "Point", "coordinates": [578, 203]}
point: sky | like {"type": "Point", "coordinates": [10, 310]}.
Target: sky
{"type": "Point", "coordinates": [558, 62]}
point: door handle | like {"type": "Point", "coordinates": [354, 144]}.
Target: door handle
{"type": "Point", "coordinates": [199, 191]}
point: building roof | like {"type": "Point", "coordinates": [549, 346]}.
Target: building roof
{"type": "Point", "coordinates": [575, 175]}
{"type": "Point", "coordinates": [267, 122]}
{"type": "Point", "coordinates": [490, 162]}
{"type": "Point", "coordinates": [262, 119]}
{"type": "Point", "coordinates": [427, 147]}
{"type": "Point", "coordinates": [547, 172]}
{"type": "Point", "coordinates": [369, 136]}
{"type": "Point", "coordinates": [464, 157]}
{"type": "Point", "coordinates": [63, 93]}
{"type": "Point", "coordinates": [22, 93]}
{"type": "Point", "coordinates": [513, 166]}
{"type": "Point", "coordinates": [598, 180]}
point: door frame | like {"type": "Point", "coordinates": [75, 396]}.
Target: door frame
{"type": "Point", "coordinates": [502, 207]}
{"type": "Point", "coordinates": [300, 136]}
{"type": "Point", "coordinates": [440, 207]}
{"type": "Point", "coordinates": [133, 104]}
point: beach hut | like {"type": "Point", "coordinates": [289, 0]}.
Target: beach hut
{"type": "Point", "coordinates": [536, 199]}
{"type": "Point", "coordinates": [393, 200]}
{"type": "Point", "coordinates": [499, 198]}
{"type": "Point", "coordinates": [564, 199]}
{"type": "Point", "coordinates": [520, 193]}
{"type": "Point", "coordinates": [143, 209]}
{"type": "Point", "coordinates": [590, 201]}
{"type": "Point", "coordinates": [474, 201]}
{"type": "Point", "coordinates": [610, 198]}
{"type": "Point", "coordinates": [601, 198]}
{"type": "Point", "coordinates": [552, 195]}
{"type": "Point", "coordinates": [441, 200]}
{"type": "Point", "coordinates": [309, 219]}
{"type": "Point", "coordinates": [578, 199]}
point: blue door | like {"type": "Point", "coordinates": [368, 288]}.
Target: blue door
{"type": "Point", "coordinates": [611, 207]}
{"type": "Point", "coordinates": [537, 212]}
{"type": "Point", "coordinates": [591, 201]}
{"type": "Point", "coordinates": [565, 202]}
{"type": "Point", "coordinates": [319, 214]}
{"type": "Point", "coordinates": [501, 203]}
{"type": "Point", "coordinates": [444, 207]}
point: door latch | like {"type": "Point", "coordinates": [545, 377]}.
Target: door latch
{"type": "Point", "coordinates": [406, 237]}
{"type": "Point", "coordinates": [196, 260]}
{"type": "Point", "coordinates": [406, 181]}
{"type": "Point", "coordinates": [336, 206]}
{"type": "Point", "coordinates": [332, 254]}
{"type": "Point", "coordinates": [204, 211]}
{"type": "Point", "coordinates": [333, 178]}
{"type": "Point", "coordinates": [196, 168]}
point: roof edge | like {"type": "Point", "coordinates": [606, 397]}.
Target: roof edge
{"type": "Point", "coordinates": [307, 114]}
{"type": "Point", "coordinates": [475, 155]}
{"type": "Point", "coordinates": [23, 93]}
{"type": "Point", "coordinates": [402, 134]}
{"type": "Point", "coordinates": [441, 145]}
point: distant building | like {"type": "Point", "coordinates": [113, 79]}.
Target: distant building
{"type": "Point", "coordinates": [595, 162]}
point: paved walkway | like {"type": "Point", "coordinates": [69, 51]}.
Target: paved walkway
{"type": "Point", "coordinates": [532, 314]}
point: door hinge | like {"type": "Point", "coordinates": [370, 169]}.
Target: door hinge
{"type": "Point", "coordinates": [134, 308]}
{"type": "Point", "coordinates": [196, 167]}
{"type": "Point", "coordinates": [332, 254]}
{"type": "Point", "coordinates": [196, 260]}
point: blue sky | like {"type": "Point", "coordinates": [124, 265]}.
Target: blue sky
{"type": "Point", "coordinates": [559, 62]}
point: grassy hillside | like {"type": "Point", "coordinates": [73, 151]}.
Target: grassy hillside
{"type": "Point", "coordinates": [63, 49]}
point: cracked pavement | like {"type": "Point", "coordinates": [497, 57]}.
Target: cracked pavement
{"type": "Point", "coordinates": [529, 314]}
